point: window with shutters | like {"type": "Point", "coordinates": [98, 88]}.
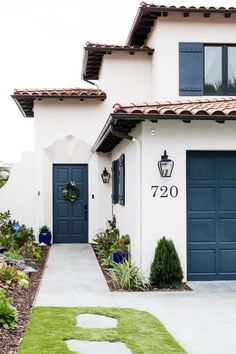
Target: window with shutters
{"type": "Point", "coordinates": [118, 180]}
{"type": "Point", "coordinates": [206, 69]}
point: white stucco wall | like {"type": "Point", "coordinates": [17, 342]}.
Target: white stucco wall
{"type": "Point", "coordinates": [165, 36]}
{"type": "Point", "coordinates": [64, 133]}
{"type": "Point", "coordinates": [129, 216]}
{"type": "Point", "coordinates": [167, 216]}
{"type": "Point", "coordinates": [126, 78]}
{"type": "Point", "coordinates": [17, 195]}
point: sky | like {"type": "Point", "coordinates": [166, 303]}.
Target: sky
{"type": "Point", "coordinates": [42, 47]}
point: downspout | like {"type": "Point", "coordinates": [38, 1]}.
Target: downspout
{"type": "Point", "coordinates": [92, 83]}
{"type": "Point", "coordinates": [139, 187]}
{"type": "Point", "coordinates": [139, 194]}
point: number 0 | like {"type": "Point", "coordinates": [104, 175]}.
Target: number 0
{"type": "Point", "coordinates": [174, 191]}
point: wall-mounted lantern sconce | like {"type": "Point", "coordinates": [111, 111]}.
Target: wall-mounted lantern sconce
{"type": "Point", "coordinates": [165, 166]}
{"type": "Point", "coordinates": [105, 176]}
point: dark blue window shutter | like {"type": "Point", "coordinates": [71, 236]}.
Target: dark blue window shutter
{"type": "Point", "coordinates": [191, 63]}
{"type": "Point", "coordinates": [122, 180]}
{"type": "Point", "coordinates": [114, 194]}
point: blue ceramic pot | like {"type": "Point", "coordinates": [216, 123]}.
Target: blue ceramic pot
{"type": "Point", "coordinates": [45, 237]}
{"type": "Point", "coordinates": [119, 257]}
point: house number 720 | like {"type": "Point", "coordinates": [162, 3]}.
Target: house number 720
{"type": "Point", "coordinates": [164, 191]}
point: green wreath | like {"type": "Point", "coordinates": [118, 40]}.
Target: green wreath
{"type": "Point", "coordinates": [70, 191]}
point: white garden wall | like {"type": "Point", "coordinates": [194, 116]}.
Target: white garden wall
{"type": "Point", "coordinates": [17, 195]}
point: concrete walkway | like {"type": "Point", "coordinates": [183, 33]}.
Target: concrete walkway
{"type": "Point", "coordinates": [202, 321]}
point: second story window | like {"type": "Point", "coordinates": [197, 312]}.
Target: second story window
{"type": "Point", "coordinates": [206, 69]}
{"type": "Point", "coordinates": [220, 69]}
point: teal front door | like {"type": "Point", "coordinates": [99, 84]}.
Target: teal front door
{"type": "Point", "coordinates": [211, 200]}
{"type": "Point", "coordinates": [70, 219]}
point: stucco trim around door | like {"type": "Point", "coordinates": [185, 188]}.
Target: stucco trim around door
{"type": "Point", "coordinates": [70, 219]}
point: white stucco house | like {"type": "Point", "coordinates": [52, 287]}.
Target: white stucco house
{"type": "Point", "coordinates": [178, 68]}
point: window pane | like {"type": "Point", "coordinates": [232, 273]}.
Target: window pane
{"type": "Point", "coordinates": [213, 69]}
{"type": "Point", "coordinates": [232, 69]}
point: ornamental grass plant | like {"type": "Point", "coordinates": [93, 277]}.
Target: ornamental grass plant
{"type": "Point", "coordinates": [126, 276]}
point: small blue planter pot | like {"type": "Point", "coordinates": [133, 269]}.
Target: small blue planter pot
{"type": "Point", "coordinates": [119, 257]}
{"type": "Point", "coordinates": [45, 237]}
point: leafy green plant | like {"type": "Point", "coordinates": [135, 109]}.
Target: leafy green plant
{"type": "Point", "coordinates": [22, 236]}
{"type": "Point", "coordinates": [30, 250]}
{"type": "Point", "coordinates": [8, 312]}
{"type": "Point", "coordinates": [44, 228]}
{"type": "Point", "coordinates": [121, 245]}
{"type": "Point", "coordinates": [107, 262]}
{"type": "Point", "coordinates": [13, 258]}
{"type": "Point", "coordinates": [4, 218]}
{"type": "Point", "coordinates": [127, 276]}
{"type": "Point", "coordinates": [166, 271]}
{"type": "Point", "coordinates": [8, 274]}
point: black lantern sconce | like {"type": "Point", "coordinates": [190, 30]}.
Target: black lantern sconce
{"type": "Point", "coordinates": [165, 166]}
{"type": "Point", "coordinates": [105, 176]}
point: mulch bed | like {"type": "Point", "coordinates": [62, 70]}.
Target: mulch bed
{"type": "Point", "coordinates": [11, 339]}
{"type": "Point", "coordinates": [112, 287]}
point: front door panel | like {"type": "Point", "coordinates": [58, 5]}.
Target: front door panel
{"type": "Point", "coordinates": [70, 218]}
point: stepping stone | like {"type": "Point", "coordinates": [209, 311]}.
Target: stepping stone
{"type": "Point", "coordinates": [95, 321]}
{"type": "Point", "coordinates": [90, 347]}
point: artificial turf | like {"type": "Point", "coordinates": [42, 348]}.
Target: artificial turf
{"type": "Point", "coordinates": [49, 327]}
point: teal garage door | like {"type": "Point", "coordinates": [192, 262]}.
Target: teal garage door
{"type": "Point", "coordinates": [211, 213]}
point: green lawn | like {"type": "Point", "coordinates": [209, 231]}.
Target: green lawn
{"type": "Point", "coordinates": [49, 327]}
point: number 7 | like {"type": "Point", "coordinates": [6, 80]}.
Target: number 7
{"type": "Point", "coordinates": [155, 191]}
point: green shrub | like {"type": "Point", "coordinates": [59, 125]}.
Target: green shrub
{"type": "Point", "coordinates": [127, 276]}
{"type": "Point", "coordinates": [22, 236]}
{"type": "Point", "coordinates": [8, 314]}
{"type": "Point", "coordinates": [166, 271]}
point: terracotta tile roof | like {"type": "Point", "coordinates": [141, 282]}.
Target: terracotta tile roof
{"type": "Point", "coordinates": [94, 52]}
{"type": "Point", "coordinates": [111, 47]}
{"type": "Point", "coordinates": [205, 107]}
{"type": "Point", "coordinates": [126, 117]}
{"type": "Point", "coordinates": [65, 92]}
{"type": "Point", "coordinates": [24, 98]}
{"type": "Point", "coordinates": [188, 8]}
{"type": "Point", "coordinates": [149, 12]}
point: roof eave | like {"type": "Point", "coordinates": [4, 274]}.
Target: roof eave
{"type": "Point", "coordinates": [114, 117]}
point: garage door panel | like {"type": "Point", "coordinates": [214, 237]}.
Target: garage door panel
{"type": "Point", "coordinates": [227, 171]}
{"type": "Point", "coordinates": [227, 199]}
{"type": "Point", "coordinates": [202, 261]}
{"type": "Point", "coordinates": [201, 199]}
{"type": "Point", "coordinates": [227, 230]}
{"type": "Point", "coordinates": [211, 203]}
{"type": "Point", "coordinates": [202, 230]}
{"type": "Point", "coordinates": [201, 169]}
{"type": "Point", "coordinates": [227, 261]}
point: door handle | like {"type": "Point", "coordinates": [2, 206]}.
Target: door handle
{"type": "Point", "coordinates": [85, 212]}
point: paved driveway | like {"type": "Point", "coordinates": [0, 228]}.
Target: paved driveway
{"type": "Point", "coordinates": [203, 321]}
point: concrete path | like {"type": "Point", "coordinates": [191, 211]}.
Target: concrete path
{"type": "Point", "coordinates": [73, 277]}
{"type": "Point", "coordinates": [202, 321]}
